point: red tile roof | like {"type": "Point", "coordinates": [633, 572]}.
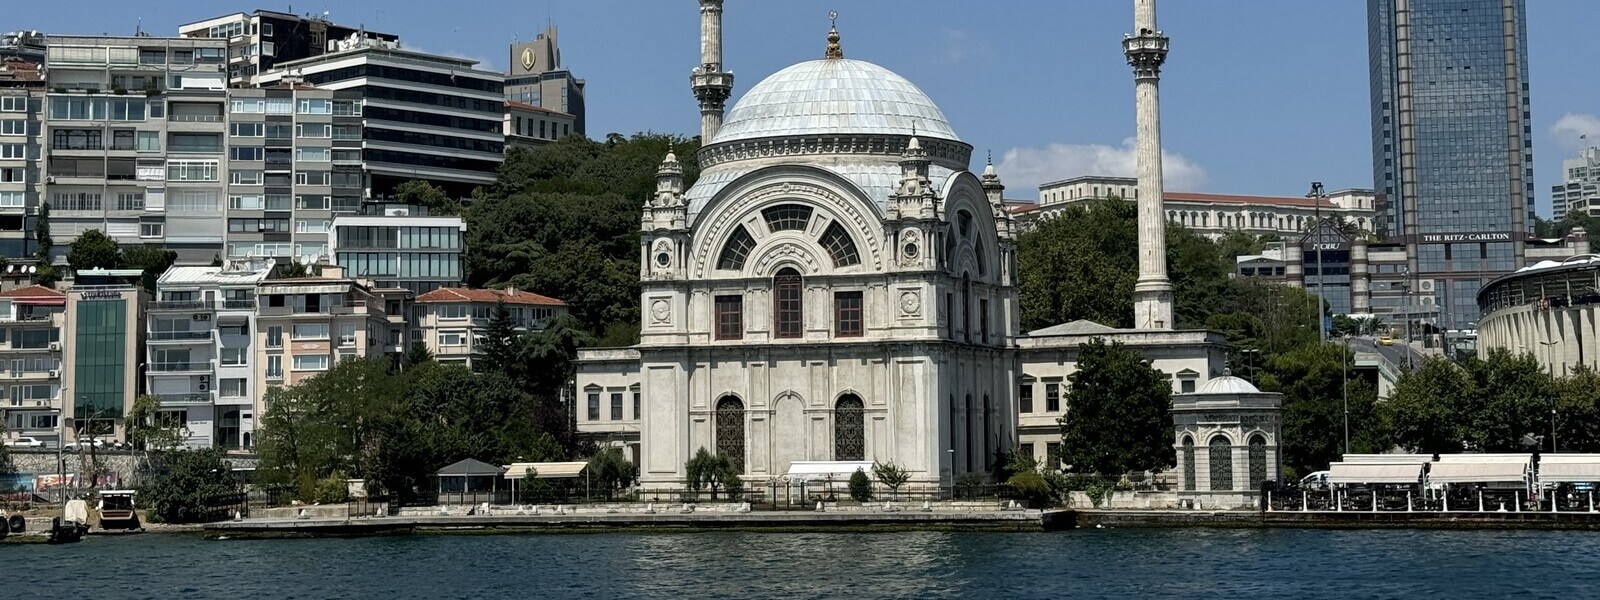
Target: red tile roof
{"type": "Point", "coordinates": [35, 294]}
{"type": "Point", "coordinates": [512, 296]}
{"type": "Point", "coordinates": [526, 106]}
{"type": "Point", "coordinates": [1235, 199]}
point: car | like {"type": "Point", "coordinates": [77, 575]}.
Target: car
{"type": "Point", "coordinates": [1386, 341]}
{"type": "Point", "coordinates": [25, 442]}
{"type": "Point", "coordinates": [1315, 481]}
{"type": "Point", "coordinates": [86, 444]}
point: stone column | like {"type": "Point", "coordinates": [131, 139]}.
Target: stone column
{"type": "Point", "coordinates": [1146, 49]}
{"type": "Point", "coordinates": [712, 85]}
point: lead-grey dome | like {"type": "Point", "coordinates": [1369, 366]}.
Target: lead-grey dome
{"type": "Point", "coordinates": [831, 97]}
{"type": "Point", "coordinates": [1227, 384]}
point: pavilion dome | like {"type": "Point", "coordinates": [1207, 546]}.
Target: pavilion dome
{"type": "Point", "coordinates": [834, 96]}
{"type": "Point", "coordinates": [1227, 384]}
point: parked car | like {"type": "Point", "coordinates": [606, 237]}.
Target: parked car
{"type": "Point", "coordinates": [86, 444]}
{"type": "Point", "coordinates": [25, 442]}
{"type": "Point", "coordinates": [1386, 341]}
{"type": "Point", "coordinates": [1315, 481]}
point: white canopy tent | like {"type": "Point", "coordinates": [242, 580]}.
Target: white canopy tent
{"type": "Point", "coordinates": [547, 470]}
{"type": "Point", "coordinates": [1363, 472]}
{"type": "Point", "coordinates": [823, 470]}
{"type": "Point", "coordinates": [1569, 468]}
{"type": "Point", "coordinates": [1481, 468]}
{"type": "Point", "coordinates": [1388, 459]}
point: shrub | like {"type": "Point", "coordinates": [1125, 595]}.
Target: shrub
{"type": "Point", "coordinates": [860, 486]}
{"type": "Point", "coordinates": [331, 490]}
{"type": "Point", "coordinates": [1099, 491]}
{"type": "Point", "coordinates": [1032, 488]}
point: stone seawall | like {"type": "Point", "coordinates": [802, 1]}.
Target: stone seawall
{"type": "Point", "coordinates": [28, 461]}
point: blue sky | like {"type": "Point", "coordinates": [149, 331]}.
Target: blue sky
{"type": "Point", "coordinates": [1255, 100]}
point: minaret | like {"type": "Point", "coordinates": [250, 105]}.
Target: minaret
{"type": "Point", "coordinates": [711, 84]}
{"type": "Point", "coordinates": [1146, 49]}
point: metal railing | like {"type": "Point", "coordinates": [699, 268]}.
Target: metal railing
{"type": "Point", "coordinates": [239, 304]}
{"type": "Point", "coordinates": [169, 336]}
{"type": "Point", "coordinates": [178, 305]}
{"type": "Point", "coordinates": [171, 367]}
{"type": "Point", "coordinates": [195, 118]}
{"type": "Point", "coordinates": [185, 398]}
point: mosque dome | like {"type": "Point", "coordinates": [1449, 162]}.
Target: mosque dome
{"type": "Point", "coordinates": [1227, 384]}
{"type": "Point", "coordinates": [834, 96]}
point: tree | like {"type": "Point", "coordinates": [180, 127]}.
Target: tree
{"type": "Point", "coordinates": [1120, 417]}
{"type": "Point", "coordinates": [421, 193]}
{"type": "Point", "coordinates": [891, 476]}
{"type": "Point", "coordinates": [711, 470]}
{"type": "Point", "coordinates": [41, 234]}
{"type": "Point", "coordinates": [860, 486]}
{"type": "Point", "coordinates": [153, 260]}
{"type": "Point", "coordinates": [1313, 380]}
{"type": "Point", "coordinates": [145, 427]}
{"type": "Point", "coordinates": [501, 341]}
{"type": "Point", "coordinates": [1515, 396]}
{"type": "Point", "coordinates": [93, 250]}
{"type": "Point", "coordinates": [1422, 413]}
{"type": "Point", "coordinates": [611, 470]}
{"type": "Point", "coordinates": [418, 353]}
{"type": "Point", "coordinates": [6, 468]}
{"type": "Point", "coordinates": [1577, 415]}
{"type": "Point", "coordinates": [187, 493]}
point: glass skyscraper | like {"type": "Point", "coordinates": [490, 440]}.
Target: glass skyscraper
{"type": "Point", "coordinates": [1452, 143]}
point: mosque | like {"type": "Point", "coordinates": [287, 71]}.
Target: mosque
{"type": "Point", "coordinates": [838, 288]}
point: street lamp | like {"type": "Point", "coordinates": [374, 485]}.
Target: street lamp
{"type": "Point", "coordinates": [1345, 358]}
{"type": "Point", "coordinates": [1317, 196]}
{"type": "Point", "coordinates": [1550, 369]}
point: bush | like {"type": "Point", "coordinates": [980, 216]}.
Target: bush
{"type": "Point", "coordinates": [1099, 491]}
{"type": "Point", "coordinates": [185, 495]}
{"type": "Point", "coordinates": [1032, 488]}
{"type": "Point", "coordinates": [331, 490]}
{"type": "Point", "coordinates": [860, 486]}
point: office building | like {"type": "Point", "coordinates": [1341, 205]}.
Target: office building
{"type": "Point", "coordinates": [1579, 190]}
{"type": "Point", "coordinates": [528, 126]}
{"type": "Point", "coordinates": [30, 362]}
{"type": "Point", "coordinates": [294, 161]}
{"type": "Point", "coordinates": [426, 116]}
{"type": "Point", "coordinates": [1452, 144]}
{"type": "Point", "coordinates": [103, 337]}
{"type": "Point", "coordinates": [397, 250]}
{"type": "Point", "coordinates": [1213, 215]}
{"type": "Point", "coordinates": [200, 355]}
{"type": "Point", "coordinates": [538, 78]}
{"type": "Point", "coordinates": [306, 324]}
{"type": "Point", "coordinates": [136, 128]}
{"type": "Point", "coordinates": [452, 321]}
{"type": "Point", "coordinates": [259, 40]}
{"type": "Point", "coordinates": [21, 123]}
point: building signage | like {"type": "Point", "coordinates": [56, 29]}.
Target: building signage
{"type": "Point", "coordinates": [1479, 236]}
{"type": "Point", "coordinates": [527, 58]}
{"type": "Point", "coordinates": [101, 295]}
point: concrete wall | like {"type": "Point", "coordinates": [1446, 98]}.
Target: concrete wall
{"type": "Point", "coordinates": [121, 462]}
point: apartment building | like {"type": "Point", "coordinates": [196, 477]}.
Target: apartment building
{"type": "Point", "coordinates": [261, 39]}
{"type": "Point", "coordinates": [1213, 215]}
{"type": "Point", "coordinates": [294, 160]}
{"type": "Point", "coordinates": [529, 126]}
{"type": "Point", "coordinates": [135, 129]}
{"type": "Point", "coordinates": [103, 336]}
{"type": "Point", "coordinates": [30, 362]}
{"type": "Point", "coordinates": [304, 325]}
{"type": "Point", "coordinates": [199, 354]}
{"type": "Point", "coordinates": [452, 320]}
{"type": "Point", "coordinates": [429, 117]}
{"type": "Point", "coordinates": [400, 248]}
{"type": "Point", "coordinates": [21, 106]}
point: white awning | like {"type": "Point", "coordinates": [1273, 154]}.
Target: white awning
{"type": "Point", "coordinates": [305, 288]}
{"type": "Point", "coordinates": [819, 470]}
{"type": "Point", "coordinates": [546, 470]}
{"type": "Point", "coordinates": [1348, 473]}
{"type": "Point", "coordinates": [1569, 468]}
{"type": "Point", "coordinates": [1488, 470]}
{"type": "Point", "coordinates": [1388, 459]}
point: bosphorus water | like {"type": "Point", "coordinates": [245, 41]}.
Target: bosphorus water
{"type": "Point", "coordinates": [1131, 563]}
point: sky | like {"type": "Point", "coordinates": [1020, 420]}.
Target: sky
{"type": "Point", "coordinates": [1258, 97]}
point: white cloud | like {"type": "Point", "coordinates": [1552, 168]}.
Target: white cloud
{"type": "Point", "coordinates": [959, 47]}
{"type": "Point", "coordinates": [1571, 126]}
{"type": "Point", "coordinates": [1023, 169]}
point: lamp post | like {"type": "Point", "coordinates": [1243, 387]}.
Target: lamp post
{"type": "Point", "coordinates": [1550, 369]}
{"type": "Point", "coordinates": [1317, 196]}
{"type": "Point", "coordinates": [1345, 358]}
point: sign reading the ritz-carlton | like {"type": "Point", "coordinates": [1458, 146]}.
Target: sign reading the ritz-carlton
{"type": "Point", "coordinates": [1478, 236]}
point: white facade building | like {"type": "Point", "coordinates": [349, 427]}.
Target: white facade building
{"type": "Point", "coordinates": [1213, 215]}
{"type": "Point", "coordinates": [1579, 190]}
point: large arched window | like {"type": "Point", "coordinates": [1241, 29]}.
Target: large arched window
{"type": "Point", "coordinates": [1221, 464]}
{"type": "Point", "coordinates": [788, 310]}
{"type": "Point", "coordinates": [736, 250]}
{"type": "Point", "coordinates": [1258, 461]}
{"type": "Point", "coordinates": [839, 246]}
{"type": "Point", "coordinates": [787, 217]}
{"type": "Point", "coordinates": [986, 431]}
{"type": "Point", "coordinates": [968, 437]}
{"type": "Point", "coordinates": [1188, 463]}
{"type": "Point", "coordinates": [730, 429]}
{"type": "Point", "coordinates": [849, 429]}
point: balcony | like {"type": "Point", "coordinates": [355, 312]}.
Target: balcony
{"type": "Point", "coordinates": [184, 399]}
{"type": "Point", "coordinates": [239, 304]}
{"type": "Point", "coordinates": [181, 337]}
{"type": "Point", "coordinates": [181, 367]}
{"type": "Point", "coordinates": [195, 118]}
{"type": "Point", "coordinates": [178, 305]}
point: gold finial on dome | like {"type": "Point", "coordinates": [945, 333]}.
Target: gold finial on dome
{"type": "Point", "coordinates": [834, 50]}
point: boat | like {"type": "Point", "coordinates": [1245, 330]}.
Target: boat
{"type": "Point", "coordinates": [71, 526]}
{"type": "Point", "coordinates": [116, 510]}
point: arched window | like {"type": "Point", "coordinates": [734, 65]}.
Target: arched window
{"type": "Point", "coordinates": [1221, 464]}
{"type": "Point", "coordinates": [964, 224]}
{"type": "Point", "coordinates": [968, 437]}
{"type": "Point", "coordinates": [849, 429]}
{"type": "Point", "coordinates": [954, 447]}
{"type": "Point", "coordinates": [730, 429]}
{"type": "Point", "coordinates": [839, 246]}
{"type": "Point", "coordinates": [966, 310]}
{"type": "Point", "coordinates": [787, 217]}
{"type": "Point", "coordinates": [736, 250]}
{"type": "Point", "coordinates": [987, 455]}
{"type": "Point", "coordinates": [788, 314]}
{"type": "Point", "coordinates": [1188, 463]}
{"type": "Point", "coordinates": [1258, 461]}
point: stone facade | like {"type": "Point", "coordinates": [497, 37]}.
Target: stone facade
{"type": "Point", "coordinates": [1226, 440]}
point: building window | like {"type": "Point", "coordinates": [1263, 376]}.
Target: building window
{"type": "Point", "coordinates": [1221, 464]}
{"type": "Point", "coordinates": [848, 317]}
{"type": "Point", "coordinates": [736, 250]}
{"type": "Point", "coordinates": [594, 406]}
{"type": "Point", "coordinates": [730, 317]}
{"type": "Point", "coordinates": [1258, 461]}
{"type": "Point", "coordinates": [730, 430]}
{"type": "Point", "coordinates": [636, 415]}
{"type": "Point", "coordinates": [232, 388]}
{"type": "Point", "coordinates": [839, 246]}
{"type": "Point", "coordinates": [1052, 456]}
{"type": "Point", "coordinates": [151, 230]}
{"type": "Point", "coordinates": [849, 429]}
{"type": "Point", "coordinates": [316, 362]}
{"type": "Point", "coordinates": [1025, 398]}
{"type": "Point", "coordinates": [1052, 397]}
{"type": "Point", "coordinates": [274, 366]}
{"type": "Point", "coordinates": [275, 335]}
{"type": "Point", "coordinates": [234, 357]}
{"type": "Point", "coordinates": [453, 338]}
{"type": "Point", "coordinates": [310, 331]}
{"type": "Point", "coordinates": [1186, 386]}
{"type": "Point", "coordinates": [788, 312]}
{"type": "Point", "coordinates": [1026, 450]}
{"type": "Point", "coordinates": [616, 406]}
{"type": "Point", "coordinates": [983, 320]}
{"type": "Point", "coordinates": [788, 217]}
{"type": "Point", "coordinates": [1188, 463]}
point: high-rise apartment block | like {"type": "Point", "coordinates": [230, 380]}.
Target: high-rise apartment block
{"type": "Point", "coordinates": [396, 249]}
{"type": "Point", "coordinates": [259, 40]}
{"type": "Point", "coordinates": [31, 319]}
{"type": "Point", "coordinates": [1579, 190]}
{"type": "Point", "coordinates": [21, 105]}
{"type": "Point", "coordinates": [538, 78]}
{"type": "Point", "coordinates": [1451, 143]}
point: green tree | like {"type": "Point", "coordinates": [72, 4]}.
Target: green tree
{"type": "Point", "coordinates": [186, 494]}
{"type": "Point", "coordinates": [1120, 413]}
{"type": "Point", "coordinates": [6, 467]}
{"type": "Point", "coordinates": [153, 260]}
{"type": "Point", "coordinates": [1313, 380]}
{"type": "Point", "coordinates": [93, 250]}
{"type": "Point", "coordinates": [502, 343]}
{"type": "Point", "coordinates": [860, 486]}
{"type": "Point", "coordinates": [612, 470]}
{"type": "Point", "coordinates": [1423, 412]}
{"type": "Point", "coordinates": [711, 470]}
{"type": "Point", "coordinates": [418, 353]}
{"type": "Point", "coordinates": [1577, 414]}
{"type": "Point", "coordinates": [891, 476]}
{"type": "Point", "coordinates": [145, 427]}
{"type": "Point", "coordinates": [1079, 265]}
{"type": "Point", "coordinates": [421, 193]}
{"type": "Point", "coordinates": [41, 234]}
{"type": "Point", "coordinates": [1515, 396]}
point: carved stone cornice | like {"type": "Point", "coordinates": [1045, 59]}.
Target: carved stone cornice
{"type": "Point", "coordinates": [951, 154]}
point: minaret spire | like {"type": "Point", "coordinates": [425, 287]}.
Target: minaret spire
{"type": "Point", "coordinates": [834, 49]}
{"type": "Point", "coordinates": [712, 85]}
{"type": "Point", "coordinates": [1146, 49]}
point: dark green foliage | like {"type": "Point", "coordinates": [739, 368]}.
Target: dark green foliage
{"type": "Point", "coordinates": [713, 471]}
{"type": "Point", "coordinates": [860, 486]}
{"type": "Point", "coordinates": [501, 343]}
{"type": "Point", "coordinates": [418, 353]}
{"type": "Point", "coordinates": [186, 494]}
{"type": "Point", "coordinates": [93, 250]}
{"type": "Point", "coordinates": [890, 475]}
{"type": "Point", "coordinates": [421, 193]}
{"type": "Point", "coordinates": [611, 471]}
{"type": "Point", "coordinates": [1489, 405]}
{"type": "Point", "coordinates": [41, 234]}
{"type": "Point", "coordinates": [1030, 486]}
{"type": "Point", "coordinates": [1120, 413]}
{"type": "Point", "coordinates": [1312, 379]}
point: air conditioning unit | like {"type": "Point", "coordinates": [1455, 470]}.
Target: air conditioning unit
{"type": "Point", "coordinates": [1425, 285]}
{"type": "Point", "coordinates": [55, 373]}
{"type": "Point", "coordinates": [41, 403]}
{"type": "Point", "coordinates": [55, 346]}
{"type": "Point", "coordinates": [50, 179]}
